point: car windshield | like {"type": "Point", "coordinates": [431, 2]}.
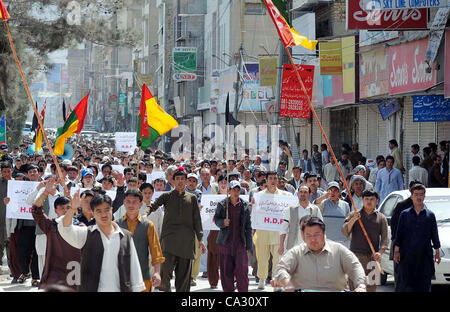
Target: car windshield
{"type": "Point", "coordinates": [440, 205]}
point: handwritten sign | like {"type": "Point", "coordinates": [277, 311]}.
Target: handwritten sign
{"type": "Point", "coordinates": [126, 142]}
{"type": "Point", "coordinates": [156, 175]}
{"type": "Point", "coordinates": [267, 212]}
{"type": "Point", "coordinates": [294, 102]}
{"type": "Point", "coordinates": [209, 203]}
{"type": "Point", "coordinates": [431, 108]}
{"type": "Point", "coordinates": [18, 192]}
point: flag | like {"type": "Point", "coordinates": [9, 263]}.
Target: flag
{"type": "Point", "coordinates": [73, 124]}
{"type": "Point", "coordinates": [68, 112]}
{"type": "Point", "coordinates": [4, 15]}
{"type": "Point", "coordinates": [35, 122]}
{"type": "Point", "coordinates": [64, 110]}
{"type": "Point", "coordinates": [288, 35]}
{"type": "Point", "coordinates": [229, 119]}
{"type": "Point", "coordinates": [38, 135]}
{"type": "Point", "coordinates": [153, 120]}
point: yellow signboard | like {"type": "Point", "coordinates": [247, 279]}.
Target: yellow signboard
{"type": "Point", "coordinates": [268, 71]}
{"type": "Point", "coordinates": [330, 53]}
{"type": "Point", "coordinates": [348, 64]}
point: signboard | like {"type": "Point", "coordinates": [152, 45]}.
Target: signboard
{"type": "Point", "coordinates": [407, 68]}
{"type": "Point", "coordinates": [126, 142]}
{"type": "Point", "coordinates": [267, 212]}
{"type": "Point", "coordinates": [363, 15]}
{"type": "Point", "coordinates": [447, 64]}
{"type": "Point", "coordinates": [330, 54]}
{"type": "Point", "coordinates": [268, 71]}
{"type": "Point", "coordinates": [185, 59]}
{"type": "Point", "coordinates": [184, 77]}
{"type": "Point", "coordinates": [3, 130]}
{"type": "Point", "coordinates": [404, 4]}
{"type": "Point", "coordinates": [18, 191]}
{"type": "Point", "coordinates": [373, 73]}
{"type": "Point", "coordinates": [293, 101]}
{"type": "Point", "coordinates": [431, 108]}
{"type": "Point", "coordinates": [367, 38]}
{"type": "Point", "coordinates": [340, 89]}
{"type": "Point", "coordinates": [122, 98]}
{"type": "Point", "coordinates": [388, 107]}
{"type": "Point", "coordinates": [436, 33]}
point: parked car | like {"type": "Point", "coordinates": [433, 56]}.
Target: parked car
{"type": "Point", "coordinates": [438, 201]}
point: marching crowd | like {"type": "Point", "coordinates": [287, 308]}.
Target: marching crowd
{"type": "Point", "coordinates": [110, 232]}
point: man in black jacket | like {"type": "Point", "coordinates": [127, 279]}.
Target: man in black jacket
{"type": "Point", "coordinates": [234, 240]}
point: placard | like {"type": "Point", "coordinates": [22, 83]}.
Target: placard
{"type": "Point", "coordinates": [156, 175]}
{"type": "Point", "coordinates": [267, 212]}
{"type": "Point", "coordinates": [18, 192]}
{"type": "Point", "coordinates": [209, 203]}
{"type": "Point", "coordinates": [126, 142]}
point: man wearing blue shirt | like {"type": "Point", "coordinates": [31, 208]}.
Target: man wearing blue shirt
{"type": "Point", "coordinates": [389, 179]}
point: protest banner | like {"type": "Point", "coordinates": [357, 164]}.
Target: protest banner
{"type": "Point", "coordinates": [267, 212]}
{"type": "Point", "coordinates": [126, 142]}
{"type": "Point", "coordinates": [209, 205]}
{"type": "Point", "coordinates": [17, 207]}
{"type": "Point", "coordinates": [156, 175]}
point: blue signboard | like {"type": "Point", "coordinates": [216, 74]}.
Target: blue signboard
{"type": "Point", "coordinates": [431, 108]}
{"type": "Point", "coordinates": [388, 107]}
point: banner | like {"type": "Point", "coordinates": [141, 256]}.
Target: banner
{"type": "Point", "coordinates": [363, 15]}
{"type": "Point", "coordinates": [407, 68]}
{"type": "Point", "coordinates": [330, 54]}
{"type": "Point", "coordinates": [436, 32]}
{"type": "Point", "coordinates": [348, 64]}
{"type": "Point", "coordinates": [156, 175]}
{"type": "Point", "coordinates": [3, 130]}
{"type": "Point", "coordinates": [293, 101]}
{"type": "Point", "coordinates": [431, 108]}
{"type": "Point", "coordinates": [126, 142]}
{"type": "Point", "coordinates": [268, 71]}
{"type": "Point", "coordinates": [17, 192]}
{"type": "Point", "coordinates": [209, 205]}
{"type": "Point", "coordinates": [267, 212]}
{"type": "Point", "coordinates": [373, 73]}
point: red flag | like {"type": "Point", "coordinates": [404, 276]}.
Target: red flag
{"type": "Point", "coordinates": [81, 112]}
{"type": "Point", "coordinates": [4, 15]}
{"type": "Point", "coordinates": [146, 94]}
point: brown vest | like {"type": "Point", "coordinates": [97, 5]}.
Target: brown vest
{"type": "Point", "coordinates": [92, 258]}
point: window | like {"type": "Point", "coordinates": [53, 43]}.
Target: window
{"type": "Point", "coordinates": [388, 206]}
{"type": "Point", "coordinates": [254, 8]}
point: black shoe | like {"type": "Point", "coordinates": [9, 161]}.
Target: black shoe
{"type": "Point", "coordinates": [205, 275]}
{"type": "Point", "coordinates": [257, 280]}
{"type": "Point", "coordinates": [15, 280]}
{"type": "Point", "coordinates": [268, 280]}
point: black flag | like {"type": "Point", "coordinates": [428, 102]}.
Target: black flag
{"type": "Point", "coordinates": [35, 123]}
{"type": "Point", "coordinates": [229, 119]}
{"type": "Point", "coordinates": [64, 110]}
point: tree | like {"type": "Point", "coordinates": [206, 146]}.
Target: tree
{"type": "Point", "coordinates": [39, 27]}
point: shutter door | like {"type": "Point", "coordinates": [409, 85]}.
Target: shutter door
{"type": "Point", "coordinates": [362, 133]}
{"type": "Point", "coordinates": [410, 135]}
{"type": "Point", "coordinates": [381, 136]}
{"type": "Point", "coordinates": [373, 114]}
{"type": "Point", "coordinates": [443, 128]}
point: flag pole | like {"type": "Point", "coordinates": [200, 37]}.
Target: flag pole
{"type": "Point", "coordinates": [27, 89]}
{"type": "Point", "coordinates": [332, 154]}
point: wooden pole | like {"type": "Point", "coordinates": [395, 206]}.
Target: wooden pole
{"type": "Point", "coordinates": [332, 154]}
{"type": "Point", "coordinates": [27, 89]}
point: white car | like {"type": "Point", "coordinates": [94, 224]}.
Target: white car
{"type": "Point", "coordinates": [438, 201]}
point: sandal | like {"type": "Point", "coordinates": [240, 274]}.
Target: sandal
{"type": "Point", "coordinates": [34, 283]}
{"type": "Point", "coordinates": [22, 278]}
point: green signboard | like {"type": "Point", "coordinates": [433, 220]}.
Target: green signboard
{"type": "Point", "coordinates": [122, 98]}
{"type": "Point", "coordinates": [184, 59]}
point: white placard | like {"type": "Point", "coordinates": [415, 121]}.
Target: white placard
{"type": "Point", "coordinates": [118, 168]}
{"type": "Point", "coordinates": [18, 192]}
{"type": "Point", "coordinates": [155, 175]}
{"type": "Point", "coordinates": [209, 203]}
{"type": "Point", "coordinates": [267, 212]}
{"type": "Point", "coordinates": [126, 142]}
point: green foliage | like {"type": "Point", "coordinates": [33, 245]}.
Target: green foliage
{"type": "Point", "coordinates": [39, 27]}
